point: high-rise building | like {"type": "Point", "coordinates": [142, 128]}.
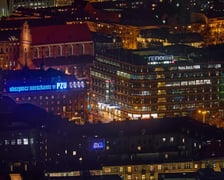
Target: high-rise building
{"type": "Point", "coordinates": [146, 84]}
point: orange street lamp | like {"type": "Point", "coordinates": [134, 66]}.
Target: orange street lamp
{"type": "Point", "coordinates": [203, 112]}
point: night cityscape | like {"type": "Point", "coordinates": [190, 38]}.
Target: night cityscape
{"type": "Point", "coordinates": [111, 89]}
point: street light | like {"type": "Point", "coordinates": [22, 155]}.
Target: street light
{"type": "Point", "coordinates": [203, 112]}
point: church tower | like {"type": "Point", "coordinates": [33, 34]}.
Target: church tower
{"type": "Point", "coordinates": [25, 47]}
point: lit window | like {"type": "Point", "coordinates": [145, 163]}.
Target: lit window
{"type": "Point", "coordinates": [64, 108]}
{"type": "Point", "coordinates": [74, 153]}
{"type": "Point", "coordinates": [129, 169]}
{"type": "Point", "coordinates": [187, 166]}
{"type": "Point", "coordinates": [107, 170]}
{"type": "Point", "coordinates": [25, 141]}
{"type": "Point", "coordinates": [166, 156]}
{"type": "Point", "coordinates": [139, 148]}
{"type": "Point", "coordinates": [171, 139]}
{"type": "Point", "coordinates": [19, 141]}
{"type": "Point", "coordinates": [151, 168]}
{"type": "Point", "coordinates": [164, 139]}
{"type": "Point", "coordinates": [31, 140]}
{"type": "Point", "coordinates": [6, 142]}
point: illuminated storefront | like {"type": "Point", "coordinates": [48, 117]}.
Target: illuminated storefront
{"type": "Point", "coordinates": [155, 85]}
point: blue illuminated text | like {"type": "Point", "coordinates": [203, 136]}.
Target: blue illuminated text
{"type": "Point", "coordinates": [48, 87]}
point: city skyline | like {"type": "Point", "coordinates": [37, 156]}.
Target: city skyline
{"type": "Point", "coordinates": [29, 43]}
{"type": "Point", "coordinates": [111, 89]}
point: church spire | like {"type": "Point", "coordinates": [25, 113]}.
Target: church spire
{"type": "Point", "coordinates": [25, 47]}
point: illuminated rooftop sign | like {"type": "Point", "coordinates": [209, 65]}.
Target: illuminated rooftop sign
{"type": "Point", "coordinates": [48, 87]}
{"type": "Point", "coordinates": [168, 59]}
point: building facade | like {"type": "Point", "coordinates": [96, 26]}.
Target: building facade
{"type": "Point", "coordinates": [9, 49]}
{"type": "Point", "coordinates": [142, 85]}
{"type": "Point", "coordinates": [53, 42]}
{"type": "Point", "coordinates": [52, 90]}
{"type": "Point", "coordinates": [33, 4]}
{"type": "Point", "coordinates": [36, 143]}
{"type": "Point", "coordinates": [68, 48]}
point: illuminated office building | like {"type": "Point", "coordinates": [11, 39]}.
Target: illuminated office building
{"type": "Point", "coordinates": [34, 4]}
{"type": "Point", "coordinates": [146, 84]}
{"type": "Point", "coordinates": [51, 90]}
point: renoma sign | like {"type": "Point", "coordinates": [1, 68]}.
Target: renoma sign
{"type": "Point", "coordinates": [168, 59]}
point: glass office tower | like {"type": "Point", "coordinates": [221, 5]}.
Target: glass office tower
{"type": "Point", "coordinates": [151, 84]}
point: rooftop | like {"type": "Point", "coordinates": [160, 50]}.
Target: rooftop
{"type": "Point", "coordinates": [181, 54]}
{"type": "Point", "coordinates": [60, 34]}
{"type": "Point", "coordinates": [65, 60]}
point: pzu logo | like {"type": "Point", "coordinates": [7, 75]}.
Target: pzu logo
{"type": "Point", "coordinates": [61, 85]}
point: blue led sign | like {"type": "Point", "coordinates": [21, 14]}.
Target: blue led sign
{"type": "Point", "coordinates": [47, 87]}
{"type": "Point", "coordinates": [97, 144]}
{"type": "Point", "coordinates": [61, 85]}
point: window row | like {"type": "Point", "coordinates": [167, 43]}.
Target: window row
{"type": "Point", "coordinates": [19, 141]}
